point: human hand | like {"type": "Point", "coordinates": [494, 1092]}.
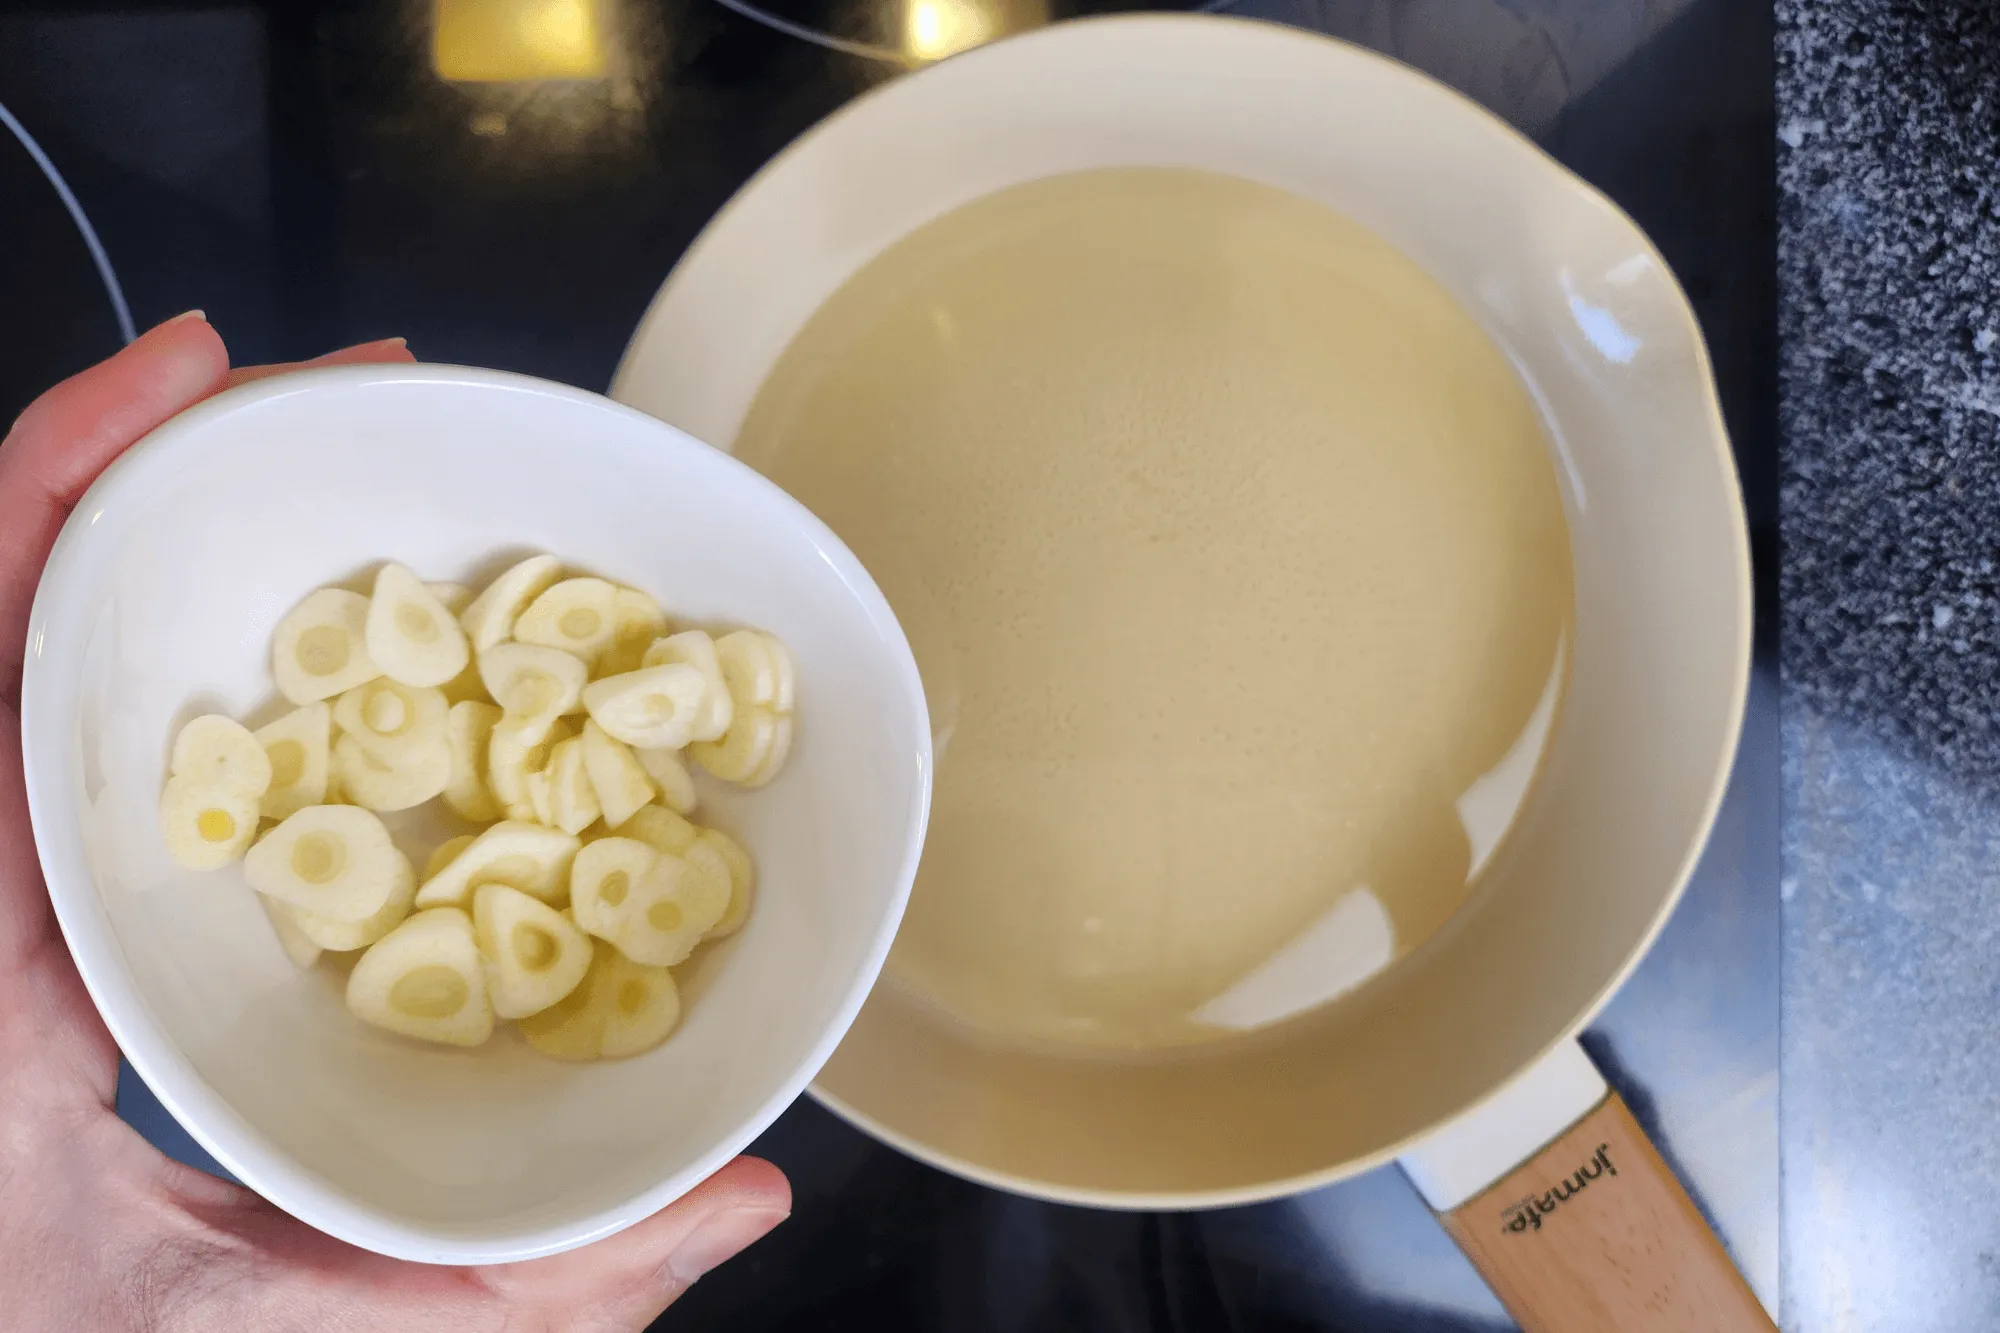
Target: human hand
{"type": "Point", "coordinates": [98, 1230]}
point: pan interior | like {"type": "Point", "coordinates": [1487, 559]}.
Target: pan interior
{"type": "Point", "coordinates": [1235, 561]}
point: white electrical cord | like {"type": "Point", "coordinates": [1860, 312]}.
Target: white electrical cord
{"type": "Point", "coordinates": [865, 50]}
{"type": "Point", "coordinates": [95, 246]}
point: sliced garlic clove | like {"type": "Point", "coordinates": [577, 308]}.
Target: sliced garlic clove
{"type": "Point", "coordinates": [653, 706]}
{"type": "Point", "coordinates": [445, 853]}
{"type": "Point", "coordinates": [616, 777]}
{"type": "Point", "coordinates": [639, 621]}
{"type": "Point", "coordinates": [320, 648]}
{"type": "Point", "coordinates": [573, 1027]}
{"type": "Point", "coordinates": [466, 687]}
{"type": "Point", "coordinates": [423, 979]}
{"type": "Point", "coordinates": [541, 795]}
{"type": "Point", "coordinates": [638, 615]}
{"type": "Point", "coordinates": [532, 682]}
{"type": "Point", "coordinates": [745, 655]}
{"type": "Point", "coordinates": [339, 936]}
{"type": "Point", "coordinates": [532, 954]}
{"type": "Point", "coordinates": [410, 634]}
{"type": "Point", "coordinates": [299, 749]}
{"type": "Point", "coordinates": [374, 785]}
{"type": "Point", "coordinates": [576, 1027]}
{"type": "Point", "coordinates": [710, 887]}
{"type": "Point", "coordinates": [601, 881]}
{"type": "Point", "coordinates": [491, 615]}
{"type": "Point", "coordinates": [669, 772]}
{"type": "Point", "coordinates": [574, 806]}
{"type": "Point", "coordinates": [453, 597]}
{"type": "Point", "coordinates": [579, 616]}
{"type": "Point", "coordinates": [301, 950]}
{"type": "Point", "coordinates": [694, 648]}
{"type": "Point", "coordinates": [644, 1008]}
{"type": "Point", "coordinates": [620, 1009]}
{"type": "Point", "coordinates": [742, 882]}
{"type": "Point", "coordinates": [784, 678]}
{"type": "Point", "coordinates": [781, 750]}
{"type": "Point", "coordinates": [671, 907]}
{"type": "Point", "coordinates": [468, 731]}
{"type": "Point", "coordinates": [524, 856]}
{"type": "Point", "coordinates": [741, 754]}
{"type": "Point", "coordinates": [333, 860]}
{"type": "Point", "coordinates": [514, 749]}
{"type": "Point", "coordinates": [220, 754]}
{"type": "Point", "coordinates": [205, 827]}
{"type": "Point", "coordinates": [661, 829]}
{"type": "Point", "coordinates": [391, 720]}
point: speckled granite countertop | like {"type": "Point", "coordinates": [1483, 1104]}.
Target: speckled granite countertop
{"type": "Point", "coordinates": [1889, 177]}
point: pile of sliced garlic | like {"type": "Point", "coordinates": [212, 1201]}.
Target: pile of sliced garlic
{"type": "Point", "coordinates": [586, 883]}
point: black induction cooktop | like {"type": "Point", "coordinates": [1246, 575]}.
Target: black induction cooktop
{"type": "Point", "coordinates": [304, 173]}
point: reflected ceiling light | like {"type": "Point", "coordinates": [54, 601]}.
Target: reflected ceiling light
{"type": "Point", "coordinates": [934, 29]}
{"type": "Point", "coordinates": [518, 41]}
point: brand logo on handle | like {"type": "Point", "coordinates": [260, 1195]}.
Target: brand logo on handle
{"type": "Point", "coordinates": [1527, 1214]}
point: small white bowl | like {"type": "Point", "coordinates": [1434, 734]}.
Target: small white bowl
{"type": "Point", "coordinates": [159, 602]}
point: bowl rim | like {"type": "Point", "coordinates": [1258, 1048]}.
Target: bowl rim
{"type": "Point", "coordinates": [1552, 178]}
{"type": "Point", "coordinates": [50, 687]}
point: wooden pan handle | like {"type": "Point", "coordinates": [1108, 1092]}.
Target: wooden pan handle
{"type": "Point", "coordinates": [1594, 1235]}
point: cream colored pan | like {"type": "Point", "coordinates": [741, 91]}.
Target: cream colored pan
{"type": "Point", "coordinates": [1460, 1060]}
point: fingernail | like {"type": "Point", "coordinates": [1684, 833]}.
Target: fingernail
{"type": "Point", "coordinates": [185, 315]}
{"type": "Point", "coordinates": [720, 1237]}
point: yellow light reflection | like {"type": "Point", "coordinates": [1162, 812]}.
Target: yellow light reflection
{"type": "Point", "coordinates": [518, 41]}
{"type": "Point", "coordinates": [934, 29]}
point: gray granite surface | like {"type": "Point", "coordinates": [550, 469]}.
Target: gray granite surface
{"type": "Point", "coordinates": [1889, 168]}
{"type": "Point", "coordinates": [1889, 179]}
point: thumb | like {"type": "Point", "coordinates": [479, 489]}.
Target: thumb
{"type": "Point", "coordinates": [624, 1281]}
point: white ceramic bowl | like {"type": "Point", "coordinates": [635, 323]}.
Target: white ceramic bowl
{"type": "Point", "coordinates": [159, 602]}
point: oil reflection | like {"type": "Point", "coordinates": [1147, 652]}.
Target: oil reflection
{"type": "Point", "coordinates": [1355, 938]}
{"type": "Point", "coordinates": [1489, 805]}
{"type": "Point", "coordinates": [1600, 325]}
{"type": "Point", "coordinates": [1350, 943]}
